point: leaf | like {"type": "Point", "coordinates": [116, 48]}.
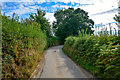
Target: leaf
{"type": "Point", "coordinates": [110, 67]}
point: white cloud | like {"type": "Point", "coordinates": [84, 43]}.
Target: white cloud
{"type": "Point", "coordinates": [97, 7]}
{"type": "Point", "coordinates": [28, 3]}
{"type": "Point", "coordinates": [65, 1]}
{"type": "Point", "coordinates": [104, 18]}
{"type": "Point", "coordinates": [41, 1]}
{"type": "Point", "coordinates": [55, 6]}
{"type": "Point", "coordinates": [61, 6]}
{"type": "Point", "coordinates": [100, 6]}
{"type": "Point", "coordinates": [23, 10]}
{"type": "Point", "coordinates": [65, 6]}
{"type": "Point", "coordinates": [50, 17]}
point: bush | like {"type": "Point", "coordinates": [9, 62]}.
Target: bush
{"type": "Point", "coordinates": [22, 47]}
{"type": "Point", "coordinates": [98, 54]}
{"type": "Point", "coordinates": [52, 41]}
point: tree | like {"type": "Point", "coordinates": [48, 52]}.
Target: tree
{"type": "Point", "coordinates": [117, 19]}
{"type": "Point", "coordinates": [39, 18]}
{"type": "Point", "coordinates": [69, 22]}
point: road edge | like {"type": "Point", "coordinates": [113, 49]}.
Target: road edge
{"type": "Point", "coordinates": [86, 72]}
{"type": "Point", "coordinates": [40, 66]}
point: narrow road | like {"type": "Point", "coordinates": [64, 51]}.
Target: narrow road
{"type": "Point", "coordinates": [58, 65]}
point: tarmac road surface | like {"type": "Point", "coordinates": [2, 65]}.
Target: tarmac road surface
{"type": "Point", "coordinates": [58, 65]}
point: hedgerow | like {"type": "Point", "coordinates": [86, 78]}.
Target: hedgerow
{"type": "Point", "coordinates": [98, 54]}
{"type": "Point", "coordinates": [22, 47]}
{"type": "Point", "coordinates": [52, 41]}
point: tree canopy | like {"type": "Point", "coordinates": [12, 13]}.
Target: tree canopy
{"type": "Point", "coordinates": [117, 19]}
{"type": "Point", "coordinates": [70, 21]}
{"type": "Point", "coordinates": [39, 18]}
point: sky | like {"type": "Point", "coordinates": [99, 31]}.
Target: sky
{"type": "Point", "coordinates": [100, 11]}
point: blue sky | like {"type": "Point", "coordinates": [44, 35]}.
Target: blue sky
{"type": "Point", "coordinates": [101, 11]}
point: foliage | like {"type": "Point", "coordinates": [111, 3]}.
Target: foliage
{"type": "Point", "coordinates": [23, 43]}
{"type": "Point", "coordinates": [39, 18]}
{"type": "Point", "coordinates": [69, 22]}
{"type": "Point", "coordinates": [98, 54]}
{"type": "Point", "coordinates": [22, 47]}
{"type": "Point", "coordinates": [117, 19]}
{"type": "Point", "coordinates": [52, 41]}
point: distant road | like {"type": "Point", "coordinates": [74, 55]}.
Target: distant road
{"type": "Point", "coordinates": [58, 65]}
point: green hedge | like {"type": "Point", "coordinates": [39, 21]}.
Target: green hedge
{"type": "Point", "coordinates": [52, 41]}
{"type": "Point", "coordinates": [98, 54]}
{"type": "Point", "coordinates": [22, 47]}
